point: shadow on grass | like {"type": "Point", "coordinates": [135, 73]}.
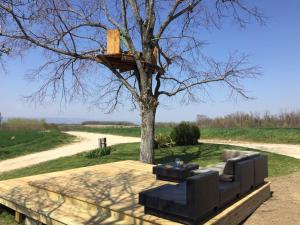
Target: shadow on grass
{"type": "Point", "coordinates": [198, 153]}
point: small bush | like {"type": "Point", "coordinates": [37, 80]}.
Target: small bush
{"type": "Point", "coordinates": [163, 141]}
{"type": "Point", "coordinates": [185, 134]}
{"type": "Point", "coordinates": [98, 153]}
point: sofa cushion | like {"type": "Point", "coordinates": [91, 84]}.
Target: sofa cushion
{"type": "Point", "coordinates": [244, 173]}
{"type": "Point", "coordinates": [168, 198]}
{"type": "Point", "coordinates": [202, 193]}
{"type": "Point", "coordinates": [175, 193]}
{"type": "Point", "coordinates": [225, 177]}
{"type": "Point", "coordinates": [229, 154]}
{"type": "Point", "coordinates": [229, 166]}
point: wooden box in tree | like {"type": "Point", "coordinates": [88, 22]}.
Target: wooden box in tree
{"type": "Point", "coordinates": [124, 60]}
{"type": "Point", "coordinates": [113, 45]}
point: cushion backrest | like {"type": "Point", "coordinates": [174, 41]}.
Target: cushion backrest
{"type": "Point", "coordinates": [244, 173]}
{"type": "Point", "coordinates": [202, 192]}
{"type": "Point", "coordinates": [239, 156]}
{"type": "Point", "coordinates": [230, 165]}
{"type": "Point", "coordinates": [228, 154]}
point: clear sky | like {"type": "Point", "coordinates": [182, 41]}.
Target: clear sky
{"type": "Point", "coordinates": [274, 47]}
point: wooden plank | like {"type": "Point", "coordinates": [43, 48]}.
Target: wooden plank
{"type": "Point", "coordinates": [19, 217]}
{"type": "Point", "coordinates": [243, 208]}
{"type": "Point", "coordinates": [113, 45]}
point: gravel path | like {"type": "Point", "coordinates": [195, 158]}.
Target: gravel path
{"type": "Point", "coordinates": [282, 149]}
{"type": "Point", "coordinates": [85, 141]}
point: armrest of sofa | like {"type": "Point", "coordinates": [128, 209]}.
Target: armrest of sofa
{"type": "Point", "coordinates": [260, 169]}
{"type": "Point", "coordinates": [202, 192]}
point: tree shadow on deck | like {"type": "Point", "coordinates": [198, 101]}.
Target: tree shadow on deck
{"type": "Point", "coordinates": [89, 196]}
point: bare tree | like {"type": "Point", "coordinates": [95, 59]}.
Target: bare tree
{"type": "Point", "coordinates": [72, 34]}
{"type": "Point", "coordinates": [1, 119]}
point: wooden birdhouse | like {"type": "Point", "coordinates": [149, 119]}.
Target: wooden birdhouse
{"type": "Point", "coordinates": [122, 60]}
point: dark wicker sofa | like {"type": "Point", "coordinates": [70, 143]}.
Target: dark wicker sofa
{"type": "Point", "coordinates": [203, 193]}
{"type": "Point", "coordinates": [186, 202]}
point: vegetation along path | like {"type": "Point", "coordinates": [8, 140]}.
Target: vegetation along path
{"type": "Point", "coordinates": [85, 141]}
{"type": "Point", "coordinates": [282, 149]}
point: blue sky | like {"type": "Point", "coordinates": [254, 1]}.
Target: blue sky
{"type": "Point", "coordinates": [274, 47]}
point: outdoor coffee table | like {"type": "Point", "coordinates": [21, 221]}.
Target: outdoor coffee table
{"type": "Point", "coordinates": [172, 172]}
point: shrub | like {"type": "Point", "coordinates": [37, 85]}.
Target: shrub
{"type": "Point", "coordinates": [98, 153]}
{"type": "Point", "coordinates": [185, 134]}
{"type": "Point", "coordinates": [163, 141]}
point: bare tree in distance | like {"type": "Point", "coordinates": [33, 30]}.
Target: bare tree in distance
{"type": "Point", "coordinates": [72, 33]}
{"type": "Point", "coordinates": [1, 119]}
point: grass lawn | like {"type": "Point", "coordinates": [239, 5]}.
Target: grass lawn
{"type": "Point", "coordinates": [267, 135]}
{"type": "Point", "coordinates": [203, 154]}
{"type": "Point", "coordinates": [22, 142]}
{"type": "Point", "coordinates": [270, 135]}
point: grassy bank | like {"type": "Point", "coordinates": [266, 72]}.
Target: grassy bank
{"type": "Point", "coordinates": [203, 154]}
{"type": "Point", "coordinates": [15, 143]}
{"type": "Point", "coordinates": [267, 135]}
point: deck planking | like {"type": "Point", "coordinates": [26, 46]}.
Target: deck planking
{"type": "Point", "coordinates": [102, 194]}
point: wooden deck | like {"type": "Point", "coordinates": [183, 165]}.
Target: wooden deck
{"type": "Point", "coordinates": [102, 194]}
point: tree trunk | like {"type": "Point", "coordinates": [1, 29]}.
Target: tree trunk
{"type": "Point", "coordinates": [147, 133]}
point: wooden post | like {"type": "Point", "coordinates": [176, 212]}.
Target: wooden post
{"type": "Point", "coordinates": [113, 42]}
{"type": "Point", "coordinates": [102, 143]}
{"type": "Point", "coordinates": [19, 217]}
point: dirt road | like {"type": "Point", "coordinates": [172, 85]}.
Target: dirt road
{"type": "Point", "coordinates": [282, 149]}
{"type": "Point", "coordinates": [284, 207]}
{"type": "Point", "coordinates": [85, 141]}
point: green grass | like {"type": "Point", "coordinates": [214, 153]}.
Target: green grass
{"type": "Point", "coordinates": [22, 142]}
{"type": "Point", "coordinates": [267, 135]}
{"type": "Point", "coordinates": [203, 154]}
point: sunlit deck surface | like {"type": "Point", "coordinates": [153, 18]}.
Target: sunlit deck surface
{"type": "Point", "coordinates": [102, 194]}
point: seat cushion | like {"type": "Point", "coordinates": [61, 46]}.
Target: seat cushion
{"type": "Point", "coordinates": [168, 198]}
{"type": "Point", "coordinates": [228, 191]}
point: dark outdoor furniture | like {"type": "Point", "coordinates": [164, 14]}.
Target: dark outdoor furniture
{"type": "Point", "coordinates": [201, 194]}
{"type": "Point", "coordinates": [171, 172]}
{"type": "Point", "coordinates": [228, 191]}
{"type": "Point", "coordinates": [186, 202]}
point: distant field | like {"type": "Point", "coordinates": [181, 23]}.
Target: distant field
{"type": "Point", "coordinates": [202, 154]}
{"type": "Point", "coordinates": [268, 135]}
{"type": "Point", "coordinates": [21, 142]}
